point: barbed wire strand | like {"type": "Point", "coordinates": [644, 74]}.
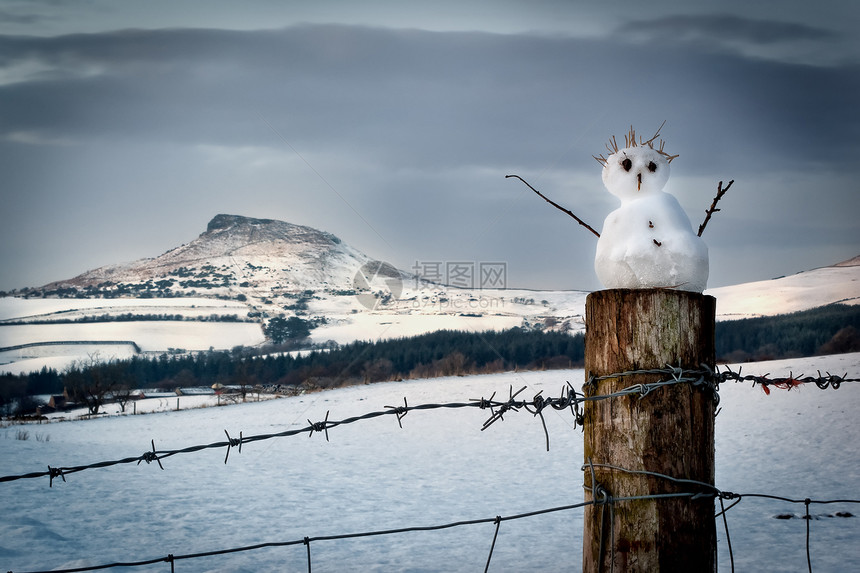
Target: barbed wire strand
{"type": "Point", "coordinates": [606, 499]}
{"type": "Point", "coordinates": [338, 537]}
{"type": "Point", "coordinates": [307, 540]}
{"type": "Point", "coordinates": [705, 377]}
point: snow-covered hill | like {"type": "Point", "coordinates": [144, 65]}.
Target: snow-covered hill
{"type": "Point", "coordinates": [839, 283]}
{"type": "Point", "coordinates": [241, 272]}
{"type": "Point", "coordinates": [234, 255]}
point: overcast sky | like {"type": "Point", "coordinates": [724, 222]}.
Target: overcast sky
{"type": "Point", "coordinates": [126, 126]}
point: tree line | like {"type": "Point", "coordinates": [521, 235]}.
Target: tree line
{"type": "Point", "coordinates": [831, 329]}
{"type": "Point", "coordinates": [442, 353]}
{"type": "Point", "coordinates": [129, 317]}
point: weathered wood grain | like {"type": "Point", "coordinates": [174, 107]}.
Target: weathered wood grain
{"type": "Point", "coordinates": [669, 431]}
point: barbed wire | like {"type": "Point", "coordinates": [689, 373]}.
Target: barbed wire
{"type": "Point", "coordinates": [786, 383]}
{"type": "Point", "coordinates": [712, 377]}
{"type": "Point", "coordinates": [603, 499]}
{"type": "Point", "coordinates": [171, 558]}
{"type": "Point", "coordinates": [704, 377]}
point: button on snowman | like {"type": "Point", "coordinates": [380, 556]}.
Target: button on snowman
{"type": "Point", "coordinates": [648, 241]}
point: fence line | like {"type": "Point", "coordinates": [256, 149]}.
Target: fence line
{"type": "Point", "coordinates": [705, 378]}
{"type": "Point", "coordinates": [605, 499]}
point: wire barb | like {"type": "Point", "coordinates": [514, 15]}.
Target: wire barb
{"type": "Point", "coordinates": [320, 426]}
{"type": "Point", "coordinates": [150, 457]}
{"type": "Point", "coordinates": [504, 407]}
{"type": "Point", "coordinates": [231, 443]}
{"type": "Point", "coordinates": [53, 473]}
{"type": "Point", "coordinates": [483, 403]}
{"type": "Point", "coordinates": [400, 411]}
{"type": "Point", "coordinates": [539, 403]}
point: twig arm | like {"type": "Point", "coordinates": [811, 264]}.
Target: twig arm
{"type": "Point", "coordinates": [713, 208]}
{"type": "Point", "coordinates": [556, 205]}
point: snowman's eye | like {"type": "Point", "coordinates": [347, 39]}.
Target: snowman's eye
{"type": "Point", "coordinates": [652, 167]}
{"type": "Point", "coordinates": [626, 164]}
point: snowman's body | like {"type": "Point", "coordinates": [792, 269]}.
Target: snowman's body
{"type": "Point", "coordinates": [648, 241]}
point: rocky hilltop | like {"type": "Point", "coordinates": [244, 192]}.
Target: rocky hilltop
{"type": "Point", "coordinates": [235, 255]}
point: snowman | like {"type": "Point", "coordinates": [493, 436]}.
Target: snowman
{"type": "Point", "coordinates": [648, 241]}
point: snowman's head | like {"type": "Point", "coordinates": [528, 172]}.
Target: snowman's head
{"type": "Point", "coordinates": [634, 172]}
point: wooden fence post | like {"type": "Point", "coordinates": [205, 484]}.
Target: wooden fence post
{"type": "Point", "coordinates": [670, 431]}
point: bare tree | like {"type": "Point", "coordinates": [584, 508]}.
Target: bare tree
{"type": "Point", "coordinates": [122, 395]}
{"type": "Point", "coordinates": [89, 381]}
{"type": "Point", "coordinates": [244, 378]}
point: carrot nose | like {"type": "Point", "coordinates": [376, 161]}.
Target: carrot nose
{"type": "Point", "coordinates": [639, 180]}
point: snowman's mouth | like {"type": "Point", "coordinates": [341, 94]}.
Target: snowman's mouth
{"type": "Point", "coordinates": [639, 182]}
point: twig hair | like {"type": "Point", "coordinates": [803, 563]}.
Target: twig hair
{"type": "Point", "coordinates": [630, 141]}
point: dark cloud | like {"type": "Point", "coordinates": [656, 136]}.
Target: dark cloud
{"type": "Point", "coordinates": [415, 130]}
{"type": "Point", "coordinates": [10, 17]}
{"type": "Point", "coordinates": [720, 28]}
{"type": "Point", "coordinates": [416, 98]}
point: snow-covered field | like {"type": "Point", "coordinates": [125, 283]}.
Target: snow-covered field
{"type": "Point", "coordinates": [150, 336]}
{"type": "Point", "coordinates": [439, 468]}
{"type": "Point", "coordinates": [14, 308]}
